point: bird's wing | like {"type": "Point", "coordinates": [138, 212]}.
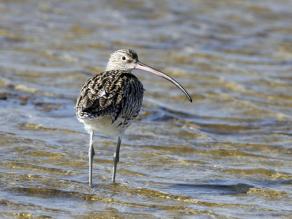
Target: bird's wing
{"type": "Point", "coordinates": [104, 94]}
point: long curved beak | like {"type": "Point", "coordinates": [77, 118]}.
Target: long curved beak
{"type": "Point", "coordinates": [142, 66]}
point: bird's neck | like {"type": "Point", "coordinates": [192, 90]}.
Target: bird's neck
{"type": "Point", "coordinates": [110, 67]}
{"type": "Point", "coordinates": [116, 68]}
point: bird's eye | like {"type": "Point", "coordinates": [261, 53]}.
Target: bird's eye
{"type": "Point", "coordinates": [123, 58]}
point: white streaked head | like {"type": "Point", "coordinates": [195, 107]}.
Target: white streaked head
{"type": "Point", "coordinates": [123, 59]}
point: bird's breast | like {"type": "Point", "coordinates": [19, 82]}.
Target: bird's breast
{"type": "Point", "coordinates": [105, 125]}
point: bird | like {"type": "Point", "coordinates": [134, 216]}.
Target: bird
{"type": "Point", "coordinates": [109, 101]}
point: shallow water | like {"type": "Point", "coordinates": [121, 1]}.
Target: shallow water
{"type": "Point", "coordinates": [226, 155]}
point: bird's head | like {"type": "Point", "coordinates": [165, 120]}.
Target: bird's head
{"type": "Point", "coordinates": [127, 59]}
{"type": "Point", "coordinates": [123, 59]}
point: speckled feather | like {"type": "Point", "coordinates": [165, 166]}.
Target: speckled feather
{"type": "Point", "coordinates": [115, 93]}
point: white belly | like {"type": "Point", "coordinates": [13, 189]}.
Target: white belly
{"type": "Point", "coordinates": [104, 125]}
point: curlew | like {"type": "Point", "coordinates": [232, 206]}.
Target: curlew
{"type": "Point", "coordinates": [109, 101]}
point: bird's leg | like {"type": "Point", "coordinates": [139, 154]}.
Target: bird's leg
{"type": "Point", "coordinates": [90, 157]}
{"type": "Point", "coordinates": [116, 159]}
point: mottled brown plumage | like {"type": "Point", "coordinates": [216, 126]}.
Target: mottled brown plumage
{"type": "Point", "coordinates": [118, 94]}
{"type": "Point", "coordinates": [109, 101]}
